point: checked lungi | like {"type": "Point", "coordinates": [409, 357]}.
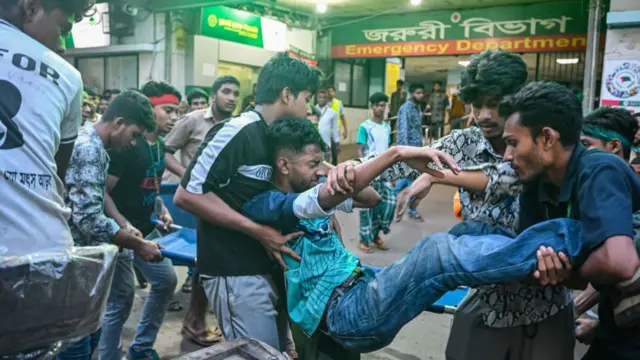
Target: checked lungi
{"type": "Point", "coordinates": [379, 218]}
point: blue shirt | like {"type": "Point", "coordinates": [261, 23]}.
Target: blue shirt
{"type": "Point", "coordinates": [325, 263]}
{"type": "Point", "coordinates": [410, 124]}
{"type": "Point", "coordinates": [604, 192]}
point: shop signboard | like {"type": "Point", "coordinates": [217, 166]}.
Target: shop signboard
{"type": "Point", "coordinates": [242, 27]}
{"type": "Point", "coordinates": [229, 24]}
{"type": "Point", "coordinates": [621, 84]}
{"type": "Point", "coordinates": [559, 26]}
{"type": "Point", "coordinates": [303, 55]}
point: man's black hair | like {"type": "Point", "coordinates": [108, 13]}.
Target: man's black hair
{"type": "Point", "coordinates": [377, 97]}
{"type": "Point", "coordinates": [159, 88]}
{"type": "Point", "coordinates": [614, 119]}
{"type": "Point", "coordinates": [438, 82]}
{"type": "Point", "coordinates": [546, 104]}
{"type": "Point", "coordinates": [400, 82]}
{"type": "Point", "coordinates": [293, 134]}
{"type": "Point", "coordinates": [197, 94]}
{"type": "Point", "coordinates": [115, 91]}
{"type": "Point", "coordinates": [104, 97]}
{"type": "Point", "coordinates": [492, 73]}
{"type": "Point", "coordinates": [134, 108]}
{"type": "Point", "coordinates": [414, 87]}
{"type": "Point", "coordinates": [284, 71]}
{"type": "Point", "coordinates": [228, 79]}
{"type": "Point", "coordinates": [635, 161]}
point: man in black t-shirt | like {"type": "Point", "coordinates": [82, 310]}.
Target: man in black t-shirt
{"type": "Point", "coordinates": [236, 255]}
{"type": "Point", "coordinates": [563, 179]}
{"type": "Point", "coordinates": [133, 184]}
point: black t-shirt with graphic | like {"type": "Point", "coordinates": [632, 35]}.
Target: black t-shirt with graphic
{"type": "Point", "coordinates": [232, 162]}
{"type": "Point", "coordinates": [139, 169]}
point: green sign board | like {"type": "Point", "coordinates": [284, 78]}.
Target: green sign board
{"type": "Point", "coordinates": [562, 17]}
{"type": "Point", "coordinates": [224, 23]}
{"type": "Point", "coordinates": [558, 26]}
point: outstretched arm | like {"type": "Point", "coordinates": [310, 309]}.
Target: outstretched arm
{"type": "Point", "coordinates": [348, 179]}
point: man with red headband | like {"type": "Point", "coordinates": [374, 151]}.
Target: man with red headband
{"type": "Point", "coordinates": [133, 185]}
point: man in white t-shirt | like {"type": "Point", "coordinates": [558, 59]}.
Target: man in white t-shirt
{"type": "Point", "coordinates": [40, 112]}
{"type": "Point", "coordinates": [374, 136]}
{"type": "Point", "coordinates": [328, 124]}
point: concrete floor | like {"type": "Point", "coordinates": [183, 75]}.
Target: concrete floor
{"type": "Point", "coordinates": [423, 338]}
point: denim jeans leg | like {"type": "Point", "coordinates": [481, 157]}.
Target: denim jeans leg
{"type": "Point", "coordinates": [118, 308]}
{"type": "Point", "coordinates": [163, 280]}
{"type": "Point", "coordinates": [80, 350]}
{"type": "Point", "coordinates": [370, 314]}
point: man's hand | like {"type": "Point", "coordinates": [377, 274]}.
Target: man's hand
{"type": "Point", "coordinates": [418, 191]}
{"type": "Point", "coordinates": [345, 132]}
{"type": "Point", "coordinates": [552, 268]}
{"type": "Point", "coordinates": [149, 251]}
{"type": "Point", "coordinates": [133, 230]}
{"type": "Point", "coordinates": [341, 178]}
{"type": "Point", "coordinates": [420, 157]}
{"type": "Point", "coordinates": [586, 330]}
{"type": "Point", "coordinates": [166, 220]}
{"type": "Point", "coordinates": [275, 242]}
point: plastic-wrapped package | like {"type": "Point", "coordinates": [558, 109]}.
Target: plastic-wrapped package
{"type": "Point", "coordinates": [50, 297]}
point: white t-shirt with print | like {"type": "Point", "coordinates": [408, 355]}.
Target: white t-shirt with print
{"type": "Point", "coordinates": [40, 108]}
{"type": "Point", "coordinates": [374, 136]}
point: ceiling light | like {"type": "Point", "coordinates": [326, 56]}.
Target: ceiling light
{"type": "Point", "coordinates": [415, 2]}
{"type": "Point", "coordinates": [321, 8]}
{"type": "Point", "coordinates": [464, 63]}
{"type": "Point", "coordinates": [567, 61]}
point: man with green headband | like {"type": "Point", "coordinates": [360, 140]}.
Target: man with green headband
{"type": "Point", "coordinates": [612, 130]}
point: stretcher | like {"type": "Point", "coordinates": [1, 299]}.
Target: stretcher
{"type": "Point", "coordinates": [180, 247]}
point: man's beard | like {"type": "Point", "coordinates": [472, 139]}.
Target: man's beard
{"type": "Point", "coordinates": [225, 114]}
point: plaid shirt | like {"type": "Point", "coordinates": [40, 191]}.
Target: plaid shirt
{"type": "Point", "coordinates": [86, 182]}
{"type": "Point", "coordinates": [506, 305]}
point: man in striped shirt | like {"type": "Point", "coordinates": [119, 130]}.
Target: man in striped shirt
{"type": "Point", "coordinates": [243, 284]}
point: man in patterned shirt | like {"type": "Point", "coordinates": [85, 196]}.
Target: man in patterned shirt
{"type": "Point", "coordinates": [500, 319]}
{"type": "Point", "coordinates": [328, 290]}
{"type": "Point", "coordinates": [410, 132]}
{"type": "Point", "coordinates": [128, 116]}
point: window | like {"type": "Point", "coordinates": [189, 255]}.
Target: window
{"type": "Point", "coordinates": [109, 72]}
{"type": "Point", "coordinates": [351, 80]}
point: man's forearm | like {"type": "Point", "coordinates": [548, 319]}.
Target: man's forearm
{"type": "Point", "coordinates": [469, 180]}
{"type": "Point", "coordinates": [174, 165]}
{"type": "Point", "coordinates": [126, 240]}
{"type": "Point", "coordinates": [585, 301]}
{"type": "Point", "coordinates": [211, 208]}
{"type": "Point", "coordinates": [112, 211]}
{"type": "Point", "coordinates": [365, 173]}
{"type": "Point", "coordinates": [615, 261]}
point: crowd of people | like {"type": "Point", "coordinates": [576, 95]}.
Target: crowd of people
{"type": "Point", "coordinates": [547, 200]}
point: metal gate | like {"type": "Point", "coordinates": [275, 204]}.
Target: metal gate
{"type": "Point", "coordinates": [566, 68]}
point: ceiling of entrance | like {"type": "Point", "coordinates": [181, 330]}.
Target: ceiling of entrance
{"type": "Point", "coordinates": [355, 8]}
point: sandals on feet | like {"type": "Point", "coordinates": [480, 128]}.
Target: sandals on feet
{"type": "Point", "coordinates": [204, 339]}
{"type": "Point", "coordinates": [365, 248]}
{"type": "Point", "coordinates": [380, 244]}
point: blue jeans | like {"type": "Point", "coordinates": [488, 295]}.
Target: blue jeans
{"type": "Point", "coordinates": [163, 280]}
{"type": "Point", "coordinates": [369, 315]}
{"type": "Point", "coordinates": [401, 185]}
{"type": "Point", "coordinates": [80, 350]}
